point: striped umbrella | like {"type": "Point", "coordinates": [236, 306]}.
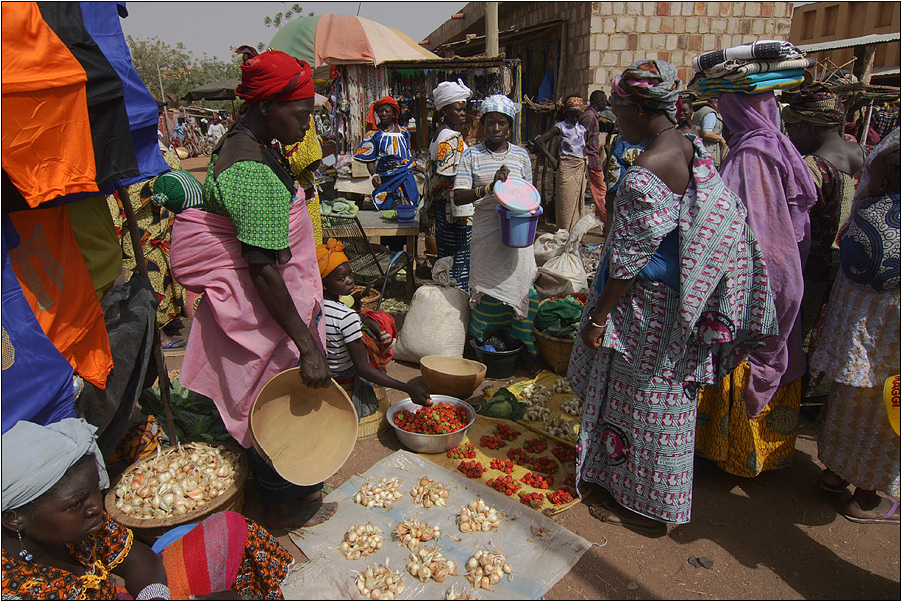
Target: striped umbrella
{"type": "Point", "coordinates": [345, 39]}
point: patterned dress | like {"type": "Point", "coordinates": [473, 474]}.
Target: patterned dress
{"type": "Point", "coordinates": [300, 157]}
{"type": "Point", "coordinates": [637, 432]}
{"type": "Point", "coordinates": [452, 234]}
{"type": "Point", "coordinates": [394, 163]}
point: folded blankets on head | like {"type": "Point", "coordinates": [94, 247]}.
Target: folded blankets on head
{"type": "Point", "coordinates": [752, 84]}
{"type": "Point", "coordinates": [740, 69]}
{"type": "Point", "coordinates": [763, 50]}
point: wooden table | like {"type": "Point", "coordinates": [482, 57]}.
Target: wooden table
{"type": "Point", "coordinates": [374, 225]}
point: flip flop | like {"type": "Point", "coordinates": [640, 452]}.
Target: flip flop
{"type": "Point", "coordinates": [833, 488]}
{"type": "Point", "coordinates": [886, 518]}
{"type": "Point", "coordinates": [176, 344]}
{"type": "Point", "coordinates": [659, 529]}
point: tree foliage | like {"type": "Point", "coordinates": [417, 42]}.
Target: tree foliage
{"type": "Point", "coordinates": [279, 19]}
{"type": "Point", "coordinates": [179, 70]}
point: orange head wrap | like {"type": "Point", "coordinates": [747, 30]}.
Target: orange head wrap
{"type": "Point", "coordinates": [385, 100]}
{"type": "Point", "coordinates": [273, 75]}
{"type": "Point", "coordinates": [329, 256]}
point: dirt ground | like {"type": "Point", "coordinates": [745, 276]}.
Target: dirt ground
{"type": "Point", "coordinates": [777, 536]}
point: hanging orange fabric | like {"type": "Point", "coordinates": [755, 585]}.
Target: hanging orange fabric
{"type": "Point", "coordinates": [51, 269]}
{"type": "Point", "coordinates": [46, 135]}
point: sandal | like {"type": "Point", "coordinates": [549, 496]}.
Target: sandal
{"type": "Point", "coordinates": [886, 518]}
{"type": "Point", "coordinates": [612, 513]}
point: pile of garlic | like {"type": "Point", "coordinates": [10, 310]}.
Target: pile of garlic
{"type": "Point", "coordinates": [562, 428]}
{"type": "Point", "coordinates": [572, 405]}
{"type": "Point", "coordinates": [430, 493]}
{"type": "Point", "coordinates": [466, 594]}
{"type": "Point", "coordinates": [361, 541]}
{"type": "Point", "coordinates": [378, 582]}
{"type": "Point", "coordinates": [534, 394]}
{"type": "Point", "coordinates": [478, 516]}
{"type": "Point", "coordinates": [381, 495]}
{"type": "Point", "coordinates": [411, 532]}
{"type": "Point", "coordinates": [176, 481]}
{"type": "Point", "coordinates": [562, 386]}
{"type": "Point", "coordinates": [485, 569]}
{"type": "Point", "coordinates": [429, 562]}
{"type": "Point", "coordinates": [537, 413]}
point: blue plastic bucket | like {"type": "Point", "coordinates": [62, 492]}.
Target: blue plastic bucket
{"type": "Point", "coordinates": [518, 229]}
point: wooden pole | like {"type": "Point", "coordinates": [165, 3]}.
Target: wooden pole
{"type": "Point", "coordinates": [491, 29]}
{"type": "Point", "coordinates": [141, 262]}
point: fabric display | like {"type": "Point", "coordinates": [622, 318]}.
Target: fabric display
{"type": "Point", "coordinates": [754, 68]}
{"type": "Point", "coordinates": [753, 84]}
{"type": "Point", "coordinates": [712, 63]}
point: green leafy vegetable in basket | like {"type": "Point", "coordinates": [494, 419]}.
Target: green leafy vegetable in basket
{"type": "Point", "coordinates": [196, 417]}
{"type": "Point", "coordinates": [503, 404]}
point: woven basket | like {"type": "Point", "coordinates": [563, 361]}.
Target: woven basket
{"type": "Point", "coordinates": [375, 422]}
{"type": "Point", "coordinates": [149, 530]}
{"type": "Point", "coordinates": [371, 301]}
{"type": "Point", "coordinates": [553, 350]}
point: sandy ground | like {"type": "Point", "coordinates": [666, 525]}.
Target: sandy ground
{"type": "Point", "coordinates": [776, 536]}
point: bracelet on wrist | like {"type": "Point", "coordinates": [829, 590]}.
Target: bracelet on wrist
{"type": "Point", "coordinates": [596, 324]}
{"type": "Point", "coordinates": [154, 591]}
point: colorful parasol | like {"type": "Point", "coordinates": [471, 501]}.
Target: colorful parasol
{"type": "Point", "coordinates": [346, 39]}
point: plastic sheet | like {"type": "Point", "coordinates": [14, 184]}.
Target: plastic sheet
{"type": "Point", "coordinates": [540, 551]}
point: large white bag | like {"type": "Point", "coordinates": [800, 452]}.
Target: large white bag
{"type": "Point", "coordinates": [549, 245]}
{"type": "Point", "coordinates": [565, 273]}
{"type": "Point", "coordinates": [436, 323]}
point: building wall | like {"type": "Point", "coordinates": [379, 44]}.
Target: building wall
{"type": "Point", "coordinates": [831, 21]}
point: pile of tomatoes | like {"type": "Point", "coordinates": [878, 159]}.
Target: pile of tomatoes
{"type": "Point", "coordinates": [440, 419]}
{"type": "Point", "coordinates": [472, 469]}
{"type": "Point", "coordinates": [505, 466]}
{"type": "Point", "coordinates": [535, 446]}
{"type": "Point", "coordinates": [491, 442]}
{"type": "Point", "coordinates": [564, 453]}
{"type": "Point", "coordinates": [505, 485]}
{"type": "Point", "coordinates": [506, 432]}
{"type": "Point", "coordinates": [518, 456]}
{"type": "Point", "coordinates": [543, 464]}
{"type": "Point", "coordinates": [559, 497]}
{"type": "Point", "coordinates": [533, 500]}
{"type": "Point", "coordinates": [538, 481]}
{"type": "Point", "coordinates": [464, 450]}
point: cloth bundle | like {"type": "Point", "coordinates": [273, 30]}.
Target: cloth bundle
{"type": "Point", "coordinates": [750, 68]}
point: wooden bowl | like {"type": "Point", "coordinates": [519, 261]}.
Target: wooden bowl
{"type": "Point", "coordinates": [149, 530]}
{"type": "Point", "coordinates": [453, 376]}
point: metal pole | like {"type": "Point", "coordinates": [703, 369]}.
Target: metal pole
{"type": "Point", "coordinates": [141, 263]}
{"type": "Point", "coordinates": [491, 29]}
{"type": "Point", "coordinates": [867, 124]}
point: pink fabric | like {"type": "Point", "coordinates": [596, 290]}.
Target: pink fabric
{"type": "Point", "coordinates": [235, 345]}
{"type": "Point", "coordinates": [768, 173]}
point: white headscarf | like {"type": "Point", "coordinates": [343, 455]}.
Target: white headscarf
{"type": "Point", "coordinates": [450, 92]}
{"type": "Point", "coordinates": [499, 103]}
{"type": "Point", "coordinates": [36, 457]}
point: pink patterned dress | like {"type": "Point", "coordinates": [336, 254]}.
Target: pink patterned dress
{"type": "Point", "coordinates": [637, 433]}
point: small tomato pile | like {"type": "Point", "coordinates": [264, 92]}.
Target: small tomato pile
{"type": "Point", "coordinates": [518, 456]}
{"type": "Point", "coordinates": [505, 466]}
{"type": "Point", "coordinates": [543, 464]}
{"type": "Point", "coordinates": [538, 481]}
{"type": "Point", "coordinates": [491, 442]}
{"type": "Point", "coordinates": [472, 469]}
{"type": "Point", "coordinates": [440, 419]}
{"type": "Point", "coordinates": [533, 500]}
{"type": "Point", "coordinates": [535, 446]}
{"type": "Point", "coordinates": [505, 485]}
{"type": "Point", "coordinates": [564, 453]}
{"type": "Point", "coordinates": [559, 497]}
{"type": "Point", "coordinates": [570, 481]}
{"type": "Point", "coordinates": [464, 450]}
{"type": "Point", "coordinates": [506, 432]}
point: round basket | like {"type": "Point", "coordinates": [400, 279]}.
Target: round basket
{"type": "Point", "coordinates": [371, 301]}
{"type": "Point", "coordinates": [553, 350]}
{"type": "Point", "coordinates": [148, 530]}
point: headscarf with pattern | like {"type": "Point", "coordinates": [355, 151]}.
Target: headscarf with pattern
{"type": "Point", "coordinates": [816, 105]}
{"type": "Point", "coordinates": [329, 256]}
{"type": "Point", "coordinates": [649, 83]}
{"type": "Point", "coordinates": [499, 103]}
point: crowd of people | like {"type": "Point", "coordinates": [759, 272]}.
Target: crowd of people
{"type": "Point", "coordinates": [718, 225]}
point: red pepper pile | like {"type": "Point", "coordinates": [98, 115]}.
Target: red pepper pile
{"type": "Point", "coordinates": [535, 446]}
{"type": "Point", "coordinates": [561, 496]}
{"type": "Point", "coordinates": [519, 456]}
{"type": "Point", "coordinates": [564, 453]}
{"type": "Point", "coordinates": [491, 442]}
{"type": "Point", "coordinates": [570, 481]}
{"type": "Point", "coordinates": [505, 485]}
{"type": "Point", "coordinates": [506, 432]}
{"type": "Point", "coordinates": [538, 481]}
{"type": "Point", "coordinates": [464, 450]}
{"type": "Point", "coordinates": [533, 500]}
{"type": "Point", "coordinates": [503, 465]}
{"type": "Point", "coordinates": [472, 469]}
{"type": "Point", "coordinates": [440, 419]}
{"type": "Point", "coordinates": [544, 464]}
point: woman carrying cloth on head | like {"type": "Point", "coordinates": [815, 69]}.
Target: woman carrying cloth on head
{"type": "Point", "coordinates": [570, 164]}
{"type": "Point", "coordinates": [60, 544]}
{"type": "Point", "coordinates": [748, 422]}
{"type": "Point", "coordinates": [679, 299]}
{"type": "Point", "coordinates": [501, 293]}
{"type": "Point", "coordinates": [452, 231]}
{"type": "Point", "coordinates": [386, 152]}
{"type": "Point", "coordinates": [251, 252]}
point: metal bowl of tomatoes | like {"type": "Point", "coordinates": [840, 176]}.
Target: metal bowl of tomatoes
{"type": "Point", "coordinates": [434, 429]}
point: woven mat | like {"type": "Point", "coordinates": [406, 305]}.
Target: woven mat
{"type": "Point", "coordinates": [547, 379]}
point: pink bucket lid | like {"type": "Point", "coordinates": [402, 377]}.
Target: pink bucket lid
{"type": "Point", "coordinates": [517, 194]}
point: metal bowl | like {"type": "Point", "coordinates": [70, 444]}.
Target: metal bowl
{"type": "Point", "coordinates": [430, 444]}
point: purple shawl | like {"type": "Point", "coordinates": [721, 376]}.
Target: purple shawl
{"type": "Point", "coordinates": [769, 175]}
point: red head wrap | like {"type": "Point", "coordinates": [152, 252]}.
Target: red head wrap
{"type": "Point", "coordinates": [385, 100]}
{"type": "Point", "coordinates": [273, 75]}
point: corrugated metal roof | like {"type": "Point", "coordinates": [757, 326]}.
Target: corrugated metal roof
{"type": "Point", "coordinates": [851, 42]}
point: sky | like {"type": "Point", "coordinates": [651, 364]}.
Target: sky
{"type": "Point", "coordinates": [213, 27]}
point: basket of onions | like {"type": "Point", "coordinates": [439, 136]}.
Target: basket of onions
{"type": "Point", "coordinates": [177, 486]}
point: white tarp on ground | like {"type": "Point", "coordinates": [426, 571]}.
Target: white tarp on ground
{"type": "Point", "coordinates": [540, 550]}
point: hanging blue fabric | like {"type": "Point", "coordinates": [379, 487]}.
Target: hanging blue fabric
{"type": "Point", "coordinates": [546, 88]}
{"type": "Point", "coordinates": [664, 265]}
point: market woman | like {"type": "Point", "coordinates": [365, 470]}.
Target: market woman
{"type": "Point", "coordinates": [251, 252]}
{"type": "Point", "coordinates": [60, 544]}
{"type": "Point", "coordinates": [501, 293]}
{"type": "Point", "coordinates": [681, 295]}
{"type": "Point", "coordinates": [570, 165]}
{"type": "Point", "coordinates": [452, 232]}
{"type": "Point", "coordinates": [386, 152]}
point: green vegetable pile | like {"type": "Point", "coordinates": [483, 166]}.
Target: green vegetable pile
{"type": "Point", "coordinates": [196, 417]}
{"type": "Point", "coordinates": [503, 404]}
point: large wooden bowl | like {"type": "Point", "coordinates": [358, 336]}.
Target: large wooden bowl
{"type": "Point", "coordinates": [452, 376]}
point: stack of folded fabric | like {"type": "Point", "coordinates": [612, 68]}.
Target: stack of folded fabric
{"type": "Point", "coordinates": [751, 68]}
